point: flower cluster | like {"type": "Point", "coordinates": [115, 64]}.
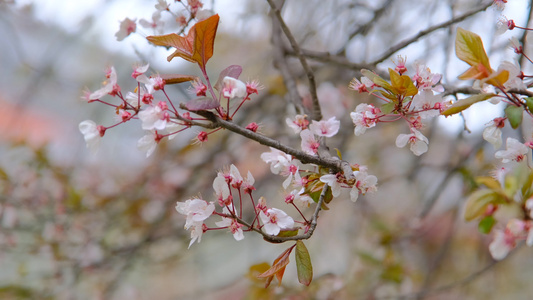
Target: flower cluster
{"type": "Point", "coordinates": [411, 99]}
{"type": "Point", "coordinates": [230, 190]}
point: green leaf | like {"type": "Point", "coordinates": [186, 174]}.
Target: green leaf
{"type": "Point", "coordinates": [303, 264]}
{"type": "Point", "coordinates": [527, 187]}
{"type": "Point", "coordinates": [463, 104]}
{"type": "Point", "coordinates": [376, 79]}
{"type": "Point", "coordinates": [478, 201]}
{"type": "Point", "coordinates": [485, 225]}
{"type": "Point", "coordinates": [287, 233]}
{"type": "Point", "coordinates": [514, 115]}
{"type": "Point", "coordinates": [469, 48]}
{"type": "Point", "coordinates": [529, 103]}
{"type": "Point", "coordinates": [489, 182]}
{"type": "Point", "coordinates": [387, 108]}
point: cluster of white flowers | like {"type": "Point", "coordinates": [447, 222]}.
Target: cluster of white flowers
{"type": "Point", "coordinates": [424, 105]}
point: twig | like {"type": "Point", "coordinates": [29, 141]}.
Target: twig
{"type": "Point", "coordinates": [427, 31]}
{"type": "Point", "coordinates": [317, 114]}
{"type": "Point", "coordinates": [334, 164]}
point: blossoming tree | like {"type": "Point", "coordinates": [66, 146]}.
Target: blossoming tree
{"type": "Point", "coordinates": [327, 144]}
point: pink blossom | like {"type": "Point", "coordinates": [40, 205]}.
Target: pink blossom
{"type": "Point", "coordinates": [425, 80]}
{"type": "Point", "coordinates": [362, 86]}
{"type": "Point", "coordinates": [92, 134]}
{"type": "Point", "coordinates": [232, 224]}
{"type": "Point", "coordinates": [139, 70]}
{"type": "Point", "coordinates": [274, 220]}
{"type": "Point", "coordinates": [154, 117]}
{"type": "Point", "coordinates": [162, 5]}
{"type": "Point", "coordinates": [291, 172]}
{"type": "Point", "coordinates": [515, 151]}
{"type": "Point", "coordinates": [428, 103]}
{"type": "Point", "coordinates": [493, 134]}
{"type": "Point", "coordinates": [222, 192]}
{"type": "Point", "coordinates": [196, 210]}
{"type": "Point", "coordinates": [333, 183]}
{"type": "Point", "coordinates": [156, 24]}
{"type": "Point", "coordinates": [309, 143]}
{"type": "Point", "coordinates": [233, 88]}
{"type": "Point", "coordinates": [364, 183]}
{"type": "Point", "coordinates": [198, 87]}
{"type": "Point", "coordinates": [364, 117]}
{"type": "Point", "coordinates": [417, 141]}
{"type": "Point", "coordinates": [253, 87]}
{"type": "Point", "coordinates": [148, 143]}
{"type": "Point", "coordinates": [277, 159]}
{"type": "Point", "coordinates": [110, 85]}
{"type": "Point", "coordinates": [514, 81]}
{"type": "Point", "coordinates": [300, 123]}
{"type": "Point", "coordinates": [152, 84]}
{"type": "Point", "coordinates": [327, 128]}
{"type": "Point", "coordinates": [501, 245]}
{"type": "Point", "coordinates": [127, 27]}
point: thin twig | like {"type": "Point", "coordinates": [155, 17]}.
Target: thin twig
{"type": "Point", "coordinates": [427, 31]}
{"type": "Point", "coordinates": [317, 113]}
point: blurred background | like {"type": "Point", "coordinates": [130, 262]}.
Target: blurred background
{"type": "Point", "coordinates": [76, 225]}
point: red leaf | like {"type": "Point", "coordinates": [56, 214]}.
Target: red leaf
{"type": "Point", "coordinates": [204, 40]}
{"type": "Point", "coordinates": [183, 45]}
{"type": "Point", "coordinates": [278, 267]}
{"type": "Point", "coordinates": [233, 71]}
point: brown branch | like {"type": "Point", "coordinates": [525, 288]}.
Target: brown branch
{"type": "Point", "coordinates": [334, 164]}
{"type": "Point", "coordinates": [429, 30]}
{"type": "Point", "coordinates": [317, 114]}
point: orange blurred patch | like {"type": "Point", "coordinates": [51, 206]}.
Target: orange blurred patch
{"type": "Point", "coordinates": [21, 124]}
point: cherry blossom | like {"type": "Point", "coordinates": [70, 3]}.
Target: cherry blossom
{"type": "Point", "coordinates": [429, 103]}
{"type": "Point", "coordinates": [222, 192]}
{"type": "Point", "coordinates": [516, 151]}
{"type": "Point", "coordinates": [274, 220]}
{"type": "Point", "coordinates": [417, 141]}
{"type": "Point", "coordinates": [110, 85]}
{"type": "Point", "coordinates": [333, 183]}
{"type": "Point", "coordinates": [233, 88]}
{"type": "Point", "coordinates": [151, 83]}
{"type": "Point", "coordinates": [297, 196]}
{"type": "Point", "coordinates": [425, 80]}
{"type": "Point", "coordinates": [327, 128]}
{"type": "Point", "coordinates": [501, 245]}
{"type": "Point", "coordinates": [299, 123]}
{"type": "Point", "coordinates": [148, 143]}
{"type": "Point", "coordinates": [162, 5]}
{"type": "Point", "coordinates": [197, 229]}
{"type": "Point", "coordinates": [492, 132]}
{"type": "Point", "coordinates": [232, 224]}
{"type": "Point", "coordinates": [277, 159]}
{"type": "Point", "coordinates": [362, 86]}
{"type": "Point", "coordinates": [154, 117]}
{"type": "Point", "coordinates": [92, 134]}
{"type": "Point", "coordinates": [248, 183]}
{"type": "Point", "coordinates": [292, 173]}
{"type": "Point", "coordinates": [364, 117]}
{"type": "Point", "coordinates": [514, 81]}
{"type": "Point", "coordinates": [364, 183]}
{"type": "Point", "coordinates": [139, 70]}
{"type": "Point", "coordinates": [156, 24]}
{"type": "Point", "coordinates": [309, 143]}
{"type": "Point", "coordinates": [196, 210]}
{"type": "Point", "coordinates": [127, 27]}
